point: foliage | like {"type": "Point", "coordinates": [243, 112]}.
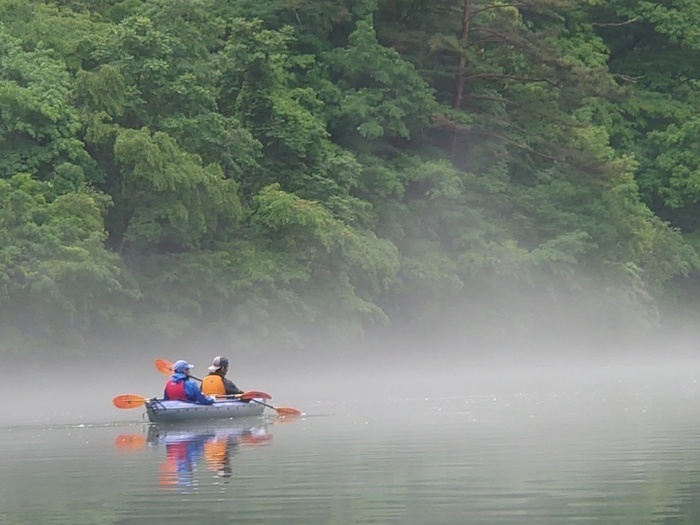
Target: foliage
{"type": "Point", "coordinates": [266, 170]}
{"type": "Point", "coordinates": [56, 278]}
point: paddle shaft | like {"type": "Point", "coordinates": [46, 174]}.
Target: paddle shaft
{"type": "Point", "coordinates": [262, 403]}
{"type": "Point", "coordinates": [220, 395]}
{"type": "Point", "coordinates": [279, 410]}
{"type": "Point", "coordinates": [126, 401]}
{"type": "Point", "coordinates": [228, 396]}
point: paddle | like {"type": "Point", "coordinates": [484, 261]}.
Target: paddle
{"type": "Point", "coordinates": [130, 442]}
{"type": "Point", "coordinates": [166, 367]}
{"type": "Point", "coordinates": [282, 411]}
{"type": "Point", "coordinates": [129, 401]}
{"type": "Point", "coordinates": [247, 395]}
{"type": "Point", "coordinates": [126, 401]}
{"type": "Point", "coordinates": [253, 439]}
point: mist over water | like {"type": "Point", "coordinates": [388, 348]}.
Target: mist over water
{"type": "Point", "coordinates": [425, 440]}
{"type": "Point", "coordinates": [404, 431]}
{"type": "Point", "coordinates": [530, 344]}
{"type": "Point", "coordinates": [80, 390]}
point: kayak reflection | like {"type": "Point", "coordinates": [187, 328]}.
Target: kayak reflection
{"type": "Point", "coordinates": [186, 446]}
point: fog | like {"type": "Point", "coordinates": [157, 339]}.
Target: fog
{"type": "Point", "coordinates": [477, 424]}
{"type": "Point", "coordinates": [78, 390]}
{"type": "Point", "coordinates": [536, 344]}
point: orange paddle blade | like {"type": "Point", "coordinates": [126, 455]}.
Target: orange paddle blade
{"type": "Point", "coordinates": [282, 411]}
{"type": "Point", "coordinates": [287, 411]}
{"type": "Point", "coordinates": [129, 442]}
{"type": "Point", "coordinates": [284, 419]}
{"type": "Point", "coordinates": [254, 394]}
{"type": "Point", "coordinates": [164, 367]}
{"type": "Point", "coordinates": [252, 439]}
{"type": "Point", "coordinates": [128, 401]}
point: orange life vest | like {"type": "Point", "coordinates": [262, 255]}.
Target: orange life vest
{"type": "Point", "coordinates": [213, 385]}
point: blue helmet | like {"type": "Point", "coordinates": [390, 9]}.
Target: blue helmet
{"type": "Point", "coordinates": [180, 366]}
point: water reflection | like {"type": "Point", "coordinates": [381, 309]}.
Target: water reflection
{"type": "Point", "coordinates": [189, 447]}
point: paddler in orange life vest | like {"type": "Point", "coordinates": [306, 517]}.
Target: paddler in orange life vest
{"type": "Point", "coordinates": [181, 388]}
{"type": "Point", "coordinates": [216, 384]}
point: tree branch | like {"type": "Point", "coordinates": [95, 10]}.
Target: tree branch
{"type": "Point", "coordinates": [485, 40]}
{"type": "Point", "coordinates": [613, 24]}
{"type": "Point", "coordinates": [495, 6]}
{"type": "Point", "coordinates": [500, 121]}
{"type": "Point", "coordinates": [494, 99]}
{"type": "Point", "coordinates": [509, 77]}
{"type": "Point", "coordinates": [442, 121]}
{"type": "Point", "coordinates": [491, 32]}
{"type": "Point", "coordinates": [517, 145]}
{"type": "Point", "coordinates": [627, 78]}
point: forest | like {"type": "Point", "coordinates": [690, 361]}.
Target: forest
{"type": "Point", "coordinates": [284, 172]}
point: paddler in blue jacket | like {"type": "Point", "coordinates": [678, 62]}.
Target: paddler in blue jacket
{"type": "Point", "coordinates": [180, 387]}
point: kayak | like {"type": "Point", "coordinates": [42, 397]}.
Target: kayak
{"type": "Point", "coordinates": [159, 410]}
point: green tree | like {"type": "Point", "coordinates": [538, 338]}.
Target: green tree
{"type": "Point", "coordinates": [57, 282]}
{"type": "Point", "coordinates": [39, 126]}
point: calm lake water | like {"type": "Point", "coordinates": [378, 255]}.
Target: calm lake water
{"type": "Point", "coordinates": [625, 452]}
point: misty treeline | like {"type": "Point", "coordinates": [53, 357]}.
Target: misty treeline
{"type": "Point", "coordinates": [265, 170]}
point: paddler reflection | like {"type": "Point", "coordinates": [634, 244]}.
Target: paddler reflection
{"type": "Point", "coordinates": [185, 448]}
{"type": "Point", "coordinates": [217, 455]}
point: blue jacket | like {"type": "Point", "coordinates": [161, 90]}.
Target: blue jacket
{"type": "Point", "coordinates": [192, 391]}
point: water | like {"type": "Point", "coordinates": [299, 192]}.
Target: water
{"type": "Point", "coordinates": [621, 451]}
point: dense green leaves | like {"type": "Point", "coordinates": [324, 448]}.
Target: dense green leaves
{"type": "Point", "coordinates": [38, 125]}
{"type": "Point", "coordinates": [267, 170]}
{"type": "Point", "coordinates": [170, 201]}
{"type": "Point", "coordinates": [56, 278]}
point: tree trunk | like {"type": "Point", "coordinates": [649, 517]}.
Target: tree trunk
{"type": "Point", "coordinates": [461, 67]}
{"type": "Point", "coordinates": [466, 15]}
